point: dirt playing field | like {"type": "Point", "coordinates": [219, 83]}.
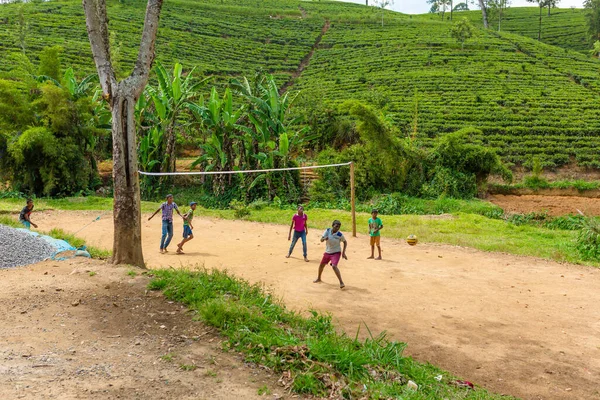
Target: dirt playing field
{"type": "Point", "coordinates": [83, 329]}
{"type": "Point", "coordinates": [515, 325]}
{"type": "Point", "coordinates": [553, 205]}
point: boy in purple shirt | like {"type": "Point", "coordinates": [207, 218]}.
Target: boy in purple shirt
{"type": "Point", "coordinates": [300, 227]}
{"type": "Point", "coordinates": [167, 221]}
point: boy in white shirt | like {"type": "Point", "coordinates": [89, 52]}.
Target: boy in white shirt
{"type": "Point", "coordinates": [333, 250]}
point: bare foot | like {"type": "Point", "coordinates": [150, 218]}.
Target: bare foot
{"type": "Point", "coordinates": [166, 251]}
{"type": "Point", "coordinates": [370, 258]}
{"type": "Point", "coordinates": [179, 251]}
{"type": "Point", "coordinates": [305, 259]}
{"type": "Point", "coordinates": [317, 280]}
{"type": "Point", "coordinates": [161, 251]}
{"type": "Point", "coordinates": [378, 258]}
{"type": "Point", "coordinates": [342, 286]}
{"type": "Point", "coordinates": [288, 256]}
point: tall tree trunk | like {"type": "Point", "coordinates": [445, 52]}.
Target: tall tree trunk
{"type": "Point", "coordinates": [549, 7]}
{"type": "Point", "coordinates": [127, 245]}
{"type": "Point", "coordinates": [451, 9]}
{"type": "Point", "coordinates": [122, 97]}
{"type": "Point", "coordinates": [483, 13]}
{"type": "Point", "coordinates": [500, 16]}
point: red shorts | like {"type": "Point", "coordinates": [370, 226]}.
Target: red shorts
{"type": "Point", "coordinates": [333, 258]}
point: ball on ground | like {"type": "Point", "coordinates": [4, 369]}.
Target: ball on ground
{"type": "Point", "coordinates": [412, 240]}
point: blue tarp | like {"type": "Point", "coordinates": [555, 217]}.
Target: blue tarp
{"type": "Point", "coordinates": [59, 244]}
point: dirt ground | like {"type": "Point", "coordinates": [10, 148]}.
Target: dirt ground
{"type": "Point", "coordinates": [83, 329]}
{"type": "Point", "coordinates": [553, 205]}
{"type": "Point", "coordinates": [515, 325]}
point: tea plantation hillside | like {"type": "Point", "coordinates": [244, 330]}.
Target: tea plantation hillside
{"type": "Point", "coordinates": [527, 98]}
{"type": "Point", "coordinates": [230, 38]}
{"type": "Point", "coordinates": [563, 27]}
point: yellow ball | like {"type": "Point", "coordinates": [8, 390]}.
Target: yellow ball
{"type": "Point", "coordinates": [412, 240]}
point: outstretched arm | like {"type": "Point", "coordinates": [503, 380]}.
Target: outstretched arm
{"type": "Point", "coordinates": [155, 212]}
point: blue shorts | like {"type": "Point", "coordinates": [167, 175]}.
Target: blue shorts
{"type": "Point", "coordinates": [187, 231]}
{"type": "Point", "coordinates": [27, 224]}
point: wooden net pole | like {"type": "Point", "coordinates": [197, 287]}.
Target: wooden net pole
{"type": "Point", "coordinates": [352, 200]}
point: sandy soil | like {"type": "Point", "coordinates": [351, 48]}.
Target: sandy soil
{"type": "Point", "coordinates": [514, 325]}
{"type": "Point", "coordinates": [68, 335]}
{"type": "Point", "coordinates": [553, 205]}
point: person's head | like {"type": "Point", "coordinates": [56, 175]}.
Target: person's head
{"type": "Point", "coordinates": [30, 203]}
{"type": "Point", "coordinates": [300, 210]}
{"type": "Point", "coordinates": [374, 213]}
{"type": "Point", "coordinates": [336, 225]}
{"type": "Point", "coordinates": [169, 198]}
{"type": "Point", "coordinates": [193, 205]}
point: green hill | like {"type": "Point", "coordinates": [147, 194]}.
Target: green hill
{"type": "Point", "coordinates": [564, 27]}
{"type": "Point", "coordinates": [528, 98]}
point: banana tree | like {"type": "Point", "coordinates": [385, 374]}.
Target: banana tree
{"type": "Point", "coordinates": [69, 82]}
{"type": "Point", "coordinates": [170, 99]}
{"type": "Point", "coordinates": [219, 119]}
{"type": "Point", "coordinates": [267, 113]}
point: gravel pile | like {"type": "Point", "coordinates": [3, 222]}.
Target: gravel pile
{"type": "Point", "coordinates": [20, 248]}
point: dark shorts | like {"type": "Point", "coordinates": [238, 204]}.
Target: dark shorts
{"type": "Point", "coordinates": [187, 231]}
{"type": "Point", "coordinates": [333, 258]}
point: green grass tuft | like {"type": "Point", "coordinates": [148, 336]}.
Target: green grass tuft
{"type": "Point", "coordinates": [320, 361]}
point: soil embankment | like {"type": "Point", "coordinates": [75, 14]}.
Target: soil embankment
{"type": "Point", "coordinates": [83, 329]}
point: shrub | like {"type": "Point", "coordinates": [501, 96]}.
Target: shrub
{"type": "Point", "coordinates": [240, 208]}
{"type": "Point", "coordinates": [588, 240]}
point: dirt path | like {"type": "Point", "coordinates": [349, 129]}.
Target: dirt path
{"type": "Point", "coordinates": [66, 334]}
{"type": "Point", "coordinates": [553, 205]}
{"type": "Point", "coordinates": [306, 59]}
{"type": "Point", "coordinates": [515, 325]}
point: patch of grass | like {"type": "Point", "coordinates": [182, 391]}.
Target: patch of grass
{"type": "Point", "coordinates": [132, 273]}
{"type": "Point", "coordinates": [264, 391]}
{"type": "Point", "coordinates": [211, 373]}
{"type": "Point", "coordinates": [187, 367]}
{"type": "Point", "coordinates": [319, 359]}
{"type": "Point", "coordinates": [167, 357]}
{"type": "Point", "coordinates": [9, 221]}
{"type": "Point", "coordinates": [92, 273]}
{"type": "Point", "coordinates": [89, 203]}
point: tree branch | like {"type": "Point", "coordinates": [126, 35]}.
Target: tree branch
{"type": "Point", "coordinates": [97, 26]}
{"type": "Point", "coordinates": [141, 70]}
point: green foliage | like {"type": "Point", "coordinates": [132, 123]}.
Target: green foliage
{"type": "Point", "coordinates": [462, 31]}
{"type": "Point", "coordinates": [565, 27]}
{"type": "Point", "coordinates": [50, 62]}
{"type": "Point", "coordinates": [454, 166]}
{"type": "Point", "coordinates": [519, 92]}
{"type": "Point", "coordinates": [49, 132]}
{"type": "Point", "coordinates": [588, 240]}
{"type": "Point", "coordinates": [241, 210]}
{"type": "Point", "coordinates": [592, 19]}
{"type": "Point", "coordinates": [265, 332]}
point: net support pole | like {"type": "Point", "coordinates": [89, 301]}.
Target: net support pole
{"type": "Point", "coordinates": [352, 200]}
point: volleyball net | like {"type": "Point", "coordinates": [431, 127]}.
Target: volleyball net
{"type": "Point", "coordinates": [270, 170]}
